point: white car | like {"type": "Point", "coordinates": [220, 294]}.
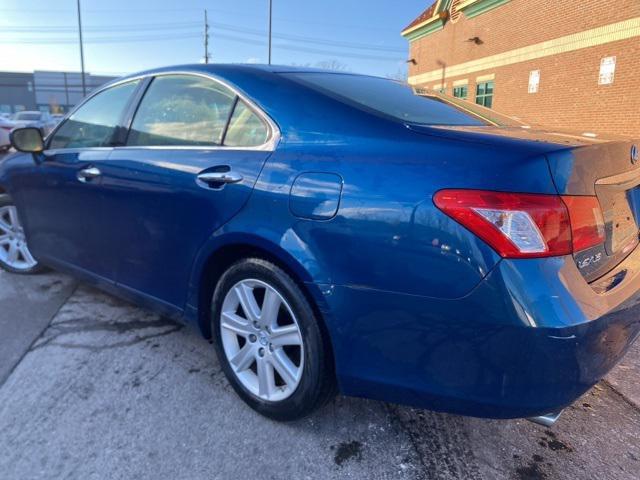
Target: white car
{"type": "Point", "coordinates": [5, 127]}
{"type": "Point", "coordinates": [37, 119]}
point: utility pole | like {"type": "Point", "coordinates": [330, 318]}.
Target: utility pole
{"type": "Point", "coordinates": [270, 16]}
{"type": "Point", "coordinates": [206, 37]}
{"type": "Point", "coordinates": [84, 84]}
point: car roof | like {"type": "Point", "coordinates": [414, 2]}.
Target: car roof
{"type": "Point", "coordinates": [224, 69]}
{"type": "Point", "coordinates": [243, 67]}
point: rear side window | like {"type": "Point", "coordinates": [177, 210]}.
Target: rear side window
{"type": "Point", "coordinates": [95, 122]}
{"type": "Point", "coordinates": [182, 110]}
{"type": "Point", "coordinates": [246, 129]}
{"type": "Point", "coordinates": [387, 97]}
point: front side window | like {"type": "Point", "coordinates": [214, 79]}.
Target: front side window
{"type": "Point", "coordinates": [484, 94]}
{"type": "Point", "coordinates": [182, 110]}
{"type": "Point", "coordinates": [95, 122]}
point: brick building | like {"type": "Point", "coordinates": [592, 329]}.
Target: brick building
{"type": "Point", "coordinates": [569, 65]}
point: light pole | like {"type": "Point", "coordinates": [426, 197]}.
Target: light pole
{"type": "Point", "coordinates": [84, 85]}
{"type": "Point", "coordinates": [270, 13]}
{"type": "Point", "coordinates": [206, 37]}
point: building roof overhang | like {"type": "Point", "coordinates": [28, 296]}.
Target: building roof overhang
{"type": "Point", "coordinates": [432, 15]}
{"type": "Point", "coordinates": [435, 17]}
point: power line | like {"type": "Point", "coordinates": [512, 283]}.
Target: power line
{"type": "Point", "coordinates": [308, 50]}
{"type": "Point", "coordinates": [300, 38]}
{"type": "Point", "coordinates": [244, 13]}
{"type": "Point", "coordinates": [156, 38]}
{"type": "Point", "coordinates": [221, 26]}
{"type": "Point", "coordinates": [118, 39]}
{"type": "Point", "coordinates": [195, 26]}
{"type": "Point", "coordinates": [101, 28]}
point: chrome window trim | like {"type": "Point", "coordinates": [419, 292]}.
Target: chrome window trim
{"type": "Point", "coordinates": [51, 152]}
{"type": "Point", "coordinates": [203, 148]}
{"type": "Point", "coordinates": [269, 146]}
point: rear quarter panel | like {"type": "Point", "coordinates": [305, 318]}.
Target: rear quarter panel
{"type": "Point", "coordinates": [387, 234]}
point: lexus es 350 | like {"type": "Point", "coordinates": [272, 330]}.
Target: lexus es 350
{"type": "Point", "coordinates": [338, 232]}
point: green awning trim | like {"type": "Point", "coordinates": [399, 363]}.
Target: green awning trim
{"type": "Point", "coordinates": [470, 11]}
{"type": "Point", "coordinates": [481, 7]}
{"type": "Point", "coordinates": [426, 30]}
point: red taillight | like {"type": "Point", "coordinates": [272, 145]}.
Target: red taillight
{"type": "Point", "coordinates": [4, 127]}
{"type": "Point", "coordinates": [587, 222]}
{"type": "Point", "coordinates": [523, 225]}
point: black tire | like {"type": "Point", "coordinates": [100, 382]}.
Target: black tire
{"type": "Point", "coordinates": [317, 383]}
{"type": "Point", "coordinates": [6, 201]}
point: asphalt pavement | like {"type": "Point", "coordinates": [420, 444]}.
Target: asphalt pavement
{"type": "Point", "coordinates": [94, 388]}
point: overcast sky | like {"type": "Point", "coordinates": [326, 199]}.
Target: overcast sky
{"type": "Point", "coordinates": [123, 36]}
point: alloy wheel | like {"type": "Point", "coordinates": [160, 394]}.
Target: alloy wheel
{"type": "Point", "coordinates": [14, 251]}
{"type": "Point", "coordinates": [262, 340]}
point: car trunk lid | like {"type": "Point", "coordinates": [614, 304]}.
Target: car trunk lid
{"type": "Point", "coordinates": [587, 164]}
{"type": "Point", "coordinates": [611, 172]}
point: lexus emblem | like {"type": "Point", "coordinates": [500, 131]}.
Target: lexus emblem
{"type": "Point", "coordinates": [634, 154]}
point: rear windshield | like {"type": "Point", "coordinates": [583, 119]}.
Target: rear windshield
{"type": "Point", "coordinates": [399, 100]}
{"type": "Point", "coordinates": [28, 116]}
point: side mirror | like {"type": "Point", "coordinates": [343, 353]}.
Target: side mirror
{"type": "Point", "coordinates": [27, 139]}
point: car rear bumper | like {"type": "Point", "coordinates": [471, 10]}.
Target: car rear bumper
{"type": "Point", "coordinates": [4, 138]}
{"type": "Point", "coordinates": [529, 340]}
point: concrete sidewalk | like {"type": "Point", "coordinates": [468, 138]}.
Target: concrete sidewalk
{"type": "Point", "coordinates": [112, 391]}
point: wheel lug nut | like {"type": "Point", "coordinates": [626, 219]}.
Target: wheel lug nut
{"type": "Point", "coordinates": [261, 352]}
{"type": "Point", "coordinates": [271, 347]}
{"type": "Point", "coordinates": [252, 338]}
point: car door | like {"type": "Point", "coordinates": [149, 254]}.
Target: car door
{"type": "Point", "coordinates": [61, 198]}
{"type": "Point", "coordinates": [193, 155]}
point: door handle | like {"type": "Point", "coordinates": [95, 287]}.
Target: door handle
{"type": "Point", "coordinates": [89, 173]}
{"type": "Point", "coordinates": [220, 177]}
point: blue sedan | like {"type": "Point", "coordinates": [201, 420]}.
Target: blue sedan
{"type": "Point", "coordinates": [339, 232]}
